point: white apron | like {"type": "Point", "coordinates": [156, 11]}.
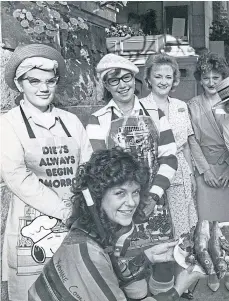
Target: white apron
{"type": "Point", "coordinates": [31, 237]}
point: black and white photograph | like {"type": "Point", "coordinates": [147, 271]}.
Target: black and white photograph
{"type": "Point", "coordinates": [114, 150]}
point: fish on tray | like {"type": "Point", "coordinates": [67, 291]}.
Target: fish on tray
{"type": "Point", "coordinates": [201, 241]}
{"type": "Point", "coordinates": [216, 252]}
{"type": "Point", "coordinates": [206, 245]}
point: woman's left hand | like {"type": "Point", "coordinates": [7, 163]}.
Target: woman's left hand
{"type": "Point", "coordinates": [161, 253]}
{"type": "Point", "coordinates": [224, 179]}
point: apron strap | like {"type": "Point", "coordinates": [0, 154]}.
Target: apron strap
{"type": "Point", "coordinates": [30, 131]}
{"type": "Point", "coordinates": [113, 115]}
{"type": "Point", "coordinates": [28, 126]}
{"type": "Point", "coordinates": [64, 128]}
{"type": "Point", "coordinates": [144, 110]}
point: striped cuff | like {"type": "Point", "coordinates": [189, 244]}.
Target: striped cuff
{"type": "Point", "coordinates": [137, 289]}
{"type": "Point", "coordinates": [156, 287]}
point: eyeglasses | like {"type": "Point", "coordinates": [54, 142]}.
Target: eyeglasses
{"type": "Point", "coordinates": [115, 80]}
{"type": "Point", "coordinates": [35, 82]}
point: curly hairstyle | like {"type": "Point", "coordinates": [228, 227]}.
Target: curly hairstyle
{"type": "Point", "coordinates": [161, 59]}
{"type": "Point", "coordinates": [209, 61]}
{"type": "Point", "coordinates": [104, 170]}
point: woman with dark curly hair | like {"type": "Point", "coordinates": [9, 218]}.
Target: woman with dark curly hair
{"type": "Point", "coordinates": [95, 260]}
{"type": "Point", "coordinates": [208, 148]}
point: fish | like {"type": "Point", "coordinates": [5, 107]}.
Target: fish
{"type": "Point", "coordinates": [216, 252]}
{"type": "Point", "coordinates": [201, 239]}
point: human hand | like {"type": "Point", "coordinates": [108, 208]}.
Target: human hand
{"type": "Point", "coordinates": [224, 179]}
{"type": "Point", "coordinates": [144, 210]}
{"type": "Point", "coordinates": [161, 253]}
{"type": "Point", "coordinates": [210, 179]}
{"type": "Point", "coordinates": [186, 278]}
{"type": "Point", "coordinates": [149, 206]}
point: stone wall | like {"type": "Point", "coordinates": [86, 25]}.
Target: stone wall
{"type": "Point", "coordinates": [82, 48]}
{"type": "Point", "coordinates": [82, 45]}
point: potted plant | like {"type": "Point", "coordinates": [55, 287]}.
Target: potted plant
{"type": "Point", "coordinates": [140, 35]}
{"type": "Point", "coordinates": [219, 37]}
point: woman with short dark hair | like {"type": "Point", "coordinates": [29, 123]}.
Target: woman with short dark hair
{"type": "Point", "coordinates": [208, 148]}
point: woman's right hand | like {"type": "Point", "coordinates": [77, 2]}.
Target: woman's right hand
{"type": "Point", "coordinates": [162, 252]}
{"type": "Point", "coordinates": [210, 179]}
{"type": "Point", "coordinates": [186, 278]}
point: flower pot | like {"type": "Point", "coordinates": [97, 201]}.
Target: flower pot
{"type": "Point", "coordinates": [135, 44]}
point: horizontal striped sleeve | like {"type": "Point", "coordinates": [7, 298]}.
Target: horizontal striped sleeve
{"type": "Point", "coordinates": [157, 189]}
{"type": "Point", "coordinates": [95, 133]}
{"type": "Point", "coordinates": [169, 160]}
{"type": "Point", "coordinates": [166, 137]}
{"type": "Point", "coordinates": [166, 157]}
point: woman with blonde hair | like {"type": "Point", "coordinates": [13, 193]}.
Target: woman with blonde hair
{"type": "Point", "coordinates": [162, 76]}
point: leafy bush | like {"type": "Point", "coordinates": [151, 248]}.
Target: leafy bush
{"type": "Point", "coordinates": [219, 31]}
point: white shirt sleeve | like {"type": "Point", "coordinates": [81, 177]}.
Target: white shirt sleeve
{"type": "Point", "coordinates": [22, 181]}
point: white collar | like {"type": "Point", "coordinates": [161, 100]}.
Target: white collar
{"type": "Point", "coordinates": [112, 104]}
{"type": "Point", "coordinates": [46, 119]}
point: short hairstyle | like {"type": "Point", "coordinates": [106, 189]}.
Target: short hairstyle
{"type": "Point", "coordinates": [161, 59]}
{"type": "Point", "coordinates": [104, 170]}
{"type": "Point", "coordinates": [114, 72]}
{"type": "Point", "coordinates": [209, 61]}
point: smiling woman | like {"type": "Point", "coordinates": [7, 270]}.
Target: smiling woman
{"type": "Point", "coordinates": [121, 202]}
{"type": "Point", "coordinates": [142, 129]}
{"type": "Point", "coordinates": [39, 87]}
{"type": "Point", "coordinates": [107, 191]}
{"type": "Point", "coordinates": [208, 146]}
{"type": "Point", "coordinates": [34, 137]}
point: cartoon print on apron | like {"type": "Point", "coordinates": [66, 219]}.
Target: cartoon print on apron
{"type": "Point", "coordinates": [54, 161]}
{"type": "Point", "coordinates": [140, 136]}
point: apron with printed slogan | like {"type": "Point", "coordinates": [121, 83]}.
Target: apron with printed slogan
{"type": "Point", "coordinates": [139, 135]}
{"type": "Point", "coordinates": [35, 236]}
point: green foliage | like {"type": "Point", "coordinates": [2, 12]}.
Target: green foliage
{"type": "Point", "coordinates": [116, 4]}
{"type": "Point", "coordinates": [44, 21]}
{"type": "Point", "coordinates": [59, 24]}
{"type": "Point", "coordinates": [138, 25]}
{"type": "Point", "coordinates": [148, 22]}
{"type": "Point", "coordinates": [120, 30]}
{"type": "Point", "coordinates": [219, 31]}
